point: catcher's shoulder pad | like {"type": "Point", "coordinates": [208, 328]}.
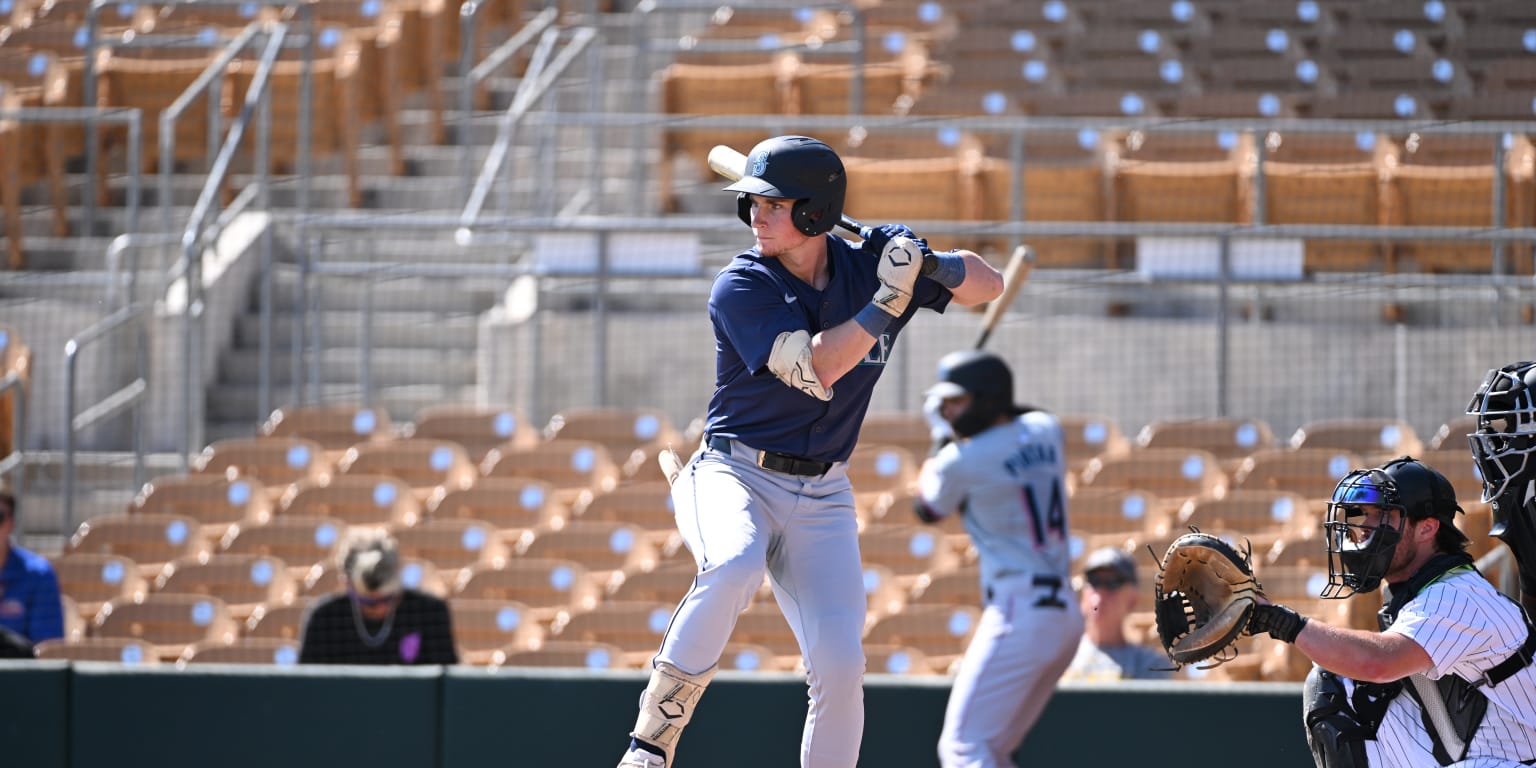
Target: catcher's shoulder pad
{"type": "Point", "coordinates": [1204, 595]}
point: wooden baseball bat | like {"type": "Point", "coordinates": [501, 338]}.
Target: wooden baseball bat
{"type": "Point", "coordinates": [1014, 276]}
{"type": "Point", "coordinates": [732, 165]}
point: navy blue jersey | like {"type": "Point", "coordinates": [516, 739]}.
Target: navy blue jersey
{"type": "Point", "coordinates": [754, 299]}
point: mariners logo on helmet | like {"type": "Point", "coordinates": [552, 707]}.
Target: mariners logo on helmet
{"type": "Point", "coordinates": [759, 163]}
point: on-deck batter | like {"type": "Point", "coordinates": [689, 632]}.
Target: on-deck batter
{"type": "Point", "coordinates": [804, 323]}
{"type": "Point", "coordinates": [1006, 474]}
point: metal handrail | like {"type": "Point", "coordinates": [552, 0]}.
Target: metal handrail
{"type": "Point", "coordinates": [130, 395]}
{"type": "Point", "coordinates": [476, 74]}
{"type": "Point", "coordinates": [540, 83]}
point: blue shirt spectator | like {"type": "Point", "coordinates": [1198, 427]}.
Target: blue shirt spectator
{"type": "Point", "coordinates": [29, 590]}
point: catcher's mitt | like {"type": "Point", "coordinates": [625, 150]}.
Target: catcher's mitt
{"type": "Point", "coordinates": [1203, 599]}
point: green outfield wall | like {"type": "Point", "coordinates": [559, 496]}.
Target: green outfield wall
{"type": "Point", "coordinates": [58, 715]}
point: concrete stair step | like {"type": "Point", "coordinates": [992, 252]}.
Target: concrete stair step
{"type": "Point", "coordinates": [234, 406]}
{"type": "Point", "coordinates": [389, 329]}
{"type": "Point", "coordinates": [387, 367]}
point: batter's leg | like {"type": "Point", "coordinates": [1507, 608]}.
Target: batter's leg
{"type": "Point", "coordinates": [818, 579]}
{"type": "Point", "coordinates": [1005, 679]}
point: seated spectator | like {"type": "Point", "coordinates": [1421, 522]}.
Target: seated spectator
{"type": "Point", "coordinates": [30, 611]}
{"type": "Point", "coordinates": [1106, 594]}
{"type": "Point", "coordinates": [377, 620]}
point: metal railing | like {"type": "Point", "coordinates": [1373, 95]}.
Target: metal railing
{"type": "Point", "coordinates": [129, 396]}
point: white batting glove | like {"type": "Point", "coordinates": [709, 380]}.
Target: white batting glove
{"type": "Point", "coordinates": [900, 264]}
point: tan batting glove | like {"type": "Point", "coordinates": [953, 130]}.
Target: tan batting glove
{"type": "Point", "coordinates": [900, 263]}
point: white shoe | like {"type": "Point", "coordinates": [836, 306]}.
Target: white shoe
{"type": "Point", "coordinates": [639, 758]}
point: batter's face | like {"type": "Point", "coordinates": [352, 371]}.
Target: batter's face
{"type": "Point", "coordinates": [952, 407]}
{"type": "Point", "coordinates": [774, 226]}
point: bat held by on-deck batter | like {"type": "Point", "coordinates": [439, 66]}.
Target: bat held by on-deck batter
{"type": "Point", "coordinates": [732, 165]}
{"type": "Point", "coordinates": [1014, 275]}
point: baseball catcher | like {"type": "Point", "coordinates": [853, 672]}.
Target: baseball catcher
{"type": "Point", "coordinates": [1204, 599]}
{"type": "Point", "coordinates": [1505, 407]}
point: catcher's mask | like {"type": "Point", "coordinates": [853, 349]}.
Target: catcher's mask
{"type": "Point", "coordinates": [796, 168]}
{"type": "Point", "coordinates": [1505, 407]}
{"type": "Point", "coordinates": [989, 382]}
{"type": "Point", "coordinates": [1360, 553]}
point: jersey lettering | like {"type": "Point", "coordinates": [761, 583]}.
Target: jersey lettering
{"type": "Point", "coordinates": [1050, 523]}
{"type": "Point", "coordinates": [878, 353]}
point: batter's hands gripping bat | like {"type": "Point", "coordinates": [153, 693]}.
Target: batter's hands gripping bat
{"type": "Point", "coordinates": [1014, 276]}
{"type": "Point", "coordinates": [671, 464]}
{"type": "Point", "coordinates": [732, 165]}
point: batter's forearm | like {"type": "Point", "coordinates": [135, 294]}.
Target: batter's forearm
{"type": "Point", "coordinates": [836, 350]}
{"type": "Point", "coordinates": [982, 282]}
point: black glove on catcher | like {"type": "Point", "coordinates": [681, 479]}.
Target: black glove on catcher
{"type": "Point", "coordinates": [1280, 622]}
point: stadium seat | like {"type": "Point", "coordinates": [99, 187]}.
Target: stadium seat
{"type": "Point", "coordinates": [35, 79]}
{"type": "Point", "coordinates": [574, 654]}
{"type": "Point", "coordinates": [150, 78]}
{"type": "Point", "coordinates": [600, 545]}
{"type": "Point", "coordinates": [484, 630]}
{"type": "Point", "coordinates": [1230, 440]}
{"type": "Point", "coordinates": [274, 462]}
{"type": "Point", "coordinates": [477, 429]}
{"type": "Point", "coordinates": [15, 360]}
{"type": "Point", "coordinates": [1455, 462]}
{"type": "Point", "coordinates": [92, 579]}
{"type": "Point", "coordinates": [452, 544]}
{"type": "Point", "coordinates": [246, 650]}
{"type": "Point", "coordinates": [825, 88]}
{"type": "Point", "coordinates": [356, 499]}
{"type": "Point", "coordinates": [1311, 473]}
{"type": "Point", "coordinates": [545, 585]}
{"type": "Point", "coordinates": [1299, 582]}
{"type": "Point", "coordinates": [278, 622]}
{"type": "Point", "coordinates": [939, 631]}
{"type": "Point", "coordinates": [569, 467]}
{"type": "Point", "coordinates": [11, 183]}
{"type": "Point", "coordinates": [763, 624]}
{"type": "Point", "coordinates": [1456, 189]}
{"type": "Point", "coordinates": [1115, 510]}
{"type": "Point", "coordinates": [168, 622]}
{"type": "Point", "coordinates": [120, 650]}
{"type": "Point", "coordinates": [634, 627]}
{"type": "Point", "coordinates": [1374, 439]}
{"type": "Point", "coordinates": [422, 463]}
{"type": "Point", "coordinates": [961, 586]}
{"type": "Point", "coordinates": [898, 660]}
{"type": "Point", "coordinates": [1327, 193]}
{"type": "Point", "coordinates": [910, 189]}
{"type": "Point", "coordinates": [645, 504]}
{"type": "Point", "coordinates": [335, 427]}
{"type": "Point", "coordinates": [718, 89]}
{"type": "Point", "coordinates": [908, 551]}
{"type": "Point", "coordinates": [1170, 474]}
{"type": "Point", "coordinates": [1089, 436]}
{"type": "Point", "coordinates": [906, 429]}
{"type": "Point", "coordinates": [301, 541]}
{"type": "Point", "coordinates": [1453, 433]}
{"type": "Point", "coordinates": [215, 501]}
{"type": "Point", "coordinates": [1251, 512]}
{"type": "Point", "coordinates": [1055, 188]}
{"type": "Point", "coordinates": [747, 657]}
{"type": "Point", "coordinates": [620, 430]}
{"type": "Point", "coordinates": [149, 540]}
{"type": "Point", "coordinates": [874, 469]}
{"type": "Point", "coordinates": [511, 504]}
{"type": "Point", "coordinates": [666, 582]}
{"type": "Point", "coordinates": [241, 581]}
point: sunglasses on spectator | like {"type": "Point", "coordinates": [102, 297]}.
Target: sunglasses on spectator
{"type": "Point", "coordinates": [373, 601]}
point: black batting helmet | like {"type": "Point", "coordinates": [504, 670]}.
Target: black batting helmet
{"type": "Point", "coordinates": [986, 378]}
{"type": "Point", "coordinates": [796, 168]}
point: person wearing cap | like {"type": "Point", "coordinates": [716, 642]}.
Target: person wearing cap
{"type": "Point", "coordinates": [30, 608]}
{"type": "Point", "coordinates": [1448, 680]}
{"type": "Point", "coordinates": [1106, 595]}
{"type": "Point", "coordinates": [1004, 472]}
{"type": "Point", "coordinates": [376, 619]}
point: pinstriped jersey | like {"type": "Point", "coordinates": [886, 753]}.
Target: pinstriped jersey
{"type": "Point", "coordinates": [1467, 627]}
{"type": "Point", "coordinates": [1010, 482]}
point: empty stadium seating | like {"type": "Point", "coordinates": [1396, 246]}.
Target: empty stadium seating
{"type": "Point", "coordinates": [546, 586]}
{"type": "Point", "coordinates": [356, 499]}
{"type": "Point", "coordinates": [167, 622]}
{"type": "Point", "coordinates": [274, 462]}
{"type": "Point", "coordinates": [512, 505]}
{"type": "Point", "coordinates": [478, 430]}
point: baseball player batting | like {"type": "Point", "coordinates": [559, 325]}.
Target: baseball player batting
{"type": "Point", "coordinates": [804, 322]}
{"type": "Point", "coordinates": [1004, 469]}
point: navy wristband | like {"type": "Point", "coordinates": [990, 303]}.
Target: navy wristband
{"type": "Point", "coordinates": [950, 271]}
{"type": "Point", "coordinates": [873, 320]}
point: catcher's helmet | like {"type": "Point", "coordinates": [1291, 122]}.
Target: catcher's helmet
{"type": "Point", "coordinates": [796, 168]}
{"type": "Point", "coordinates": [1502, 446]}
{"type": "Point", "coordinates": [986, 378]}
{"type": "Point", "coordinates": [1360, 555]}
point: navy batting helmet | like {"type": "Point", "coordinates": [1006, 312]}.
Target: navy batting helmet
{"type": "Point", "coordinates": [986, 378]}
{"type": "Point", "coordinates": [796, 168]}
